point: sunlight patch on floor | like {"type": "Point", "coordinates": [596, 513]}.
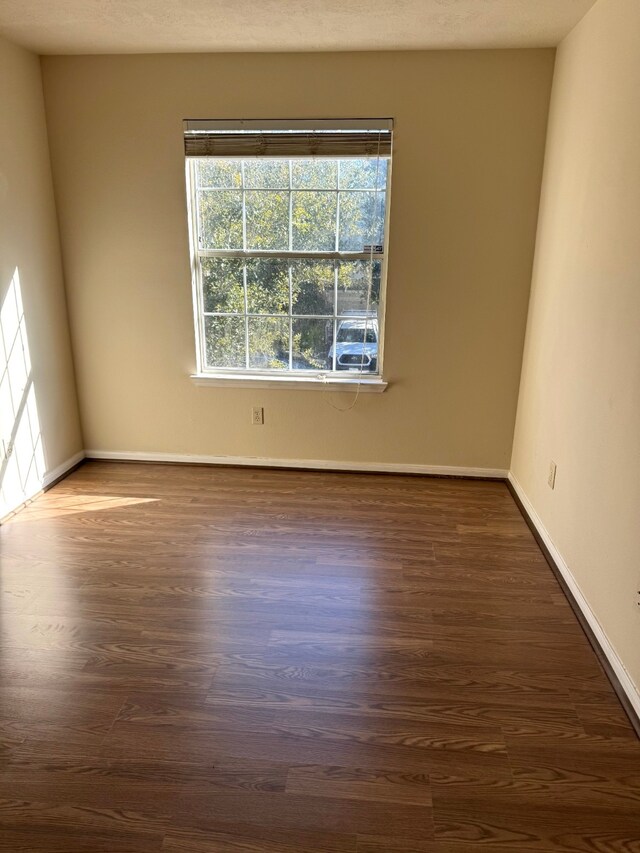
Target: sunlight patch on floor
{"type": "Point", "coordinates": [61, 505]}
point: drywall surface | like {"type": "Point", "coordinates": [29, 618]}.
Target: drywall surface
{"type": "Point", "coordinates": [470, 131]}
{"type": "Point", "coordinates": [580, 392]}
{"type": "Point", "coordinates": [39, 425]}
{"type": "Point", "coordinates": [203, 26]}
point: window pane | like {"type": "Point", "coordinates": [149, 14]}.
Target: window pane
{"type": "Point", "coordinates": [266, 174]}
{"type": "Point", "coordinates": [314, 174]}
{"type": "Point", "coordinates": [354, 278]}
{"type": "Point", "coordinates": [311, 344]}
{"type": "Point", "coordinates": [220, 219]}
{"type": "Point", "coordinates": [222, 285]}
{"type": "Point", "coordinates": [224, 341]}
{"type": "Point", "coordinates": [361, 220]}
{"type": "Point", "coordinates": [273, 206]}
{"type": "Point", "coordinates": [269, 343]}
{"type": "Point", "coordinates": [363, 174]}
{"type": "Point", "coordinates": [312, 287]}
{"type": "Point", "coordinates": [267, 286]}
{"type": "Point", "coordinates": [214, 172]}
{"type": "Point", "coordinates": [313, 224]}
{"type": "Point", "coordinates": [267, 220]}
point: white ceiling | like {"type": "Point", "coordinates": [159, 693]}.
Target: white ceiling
{"type": "Point", "coordinates": [170, 26]}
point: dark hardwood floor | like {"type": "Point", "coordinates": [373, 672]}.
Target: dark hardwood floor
{"type": "Point", "coordinates": [234, 660]}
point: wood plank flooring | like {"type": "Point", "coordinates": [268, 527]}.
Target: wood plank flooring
{"type": "Point", "coordinates": [200, 660]}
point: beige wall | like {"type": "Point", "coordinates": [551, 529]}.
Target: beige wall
{"type": "Point", "coordinates": [580, 393]}
{"type": "Point", "coordinates": [470, 137]}
{"type": "Point", "coordinates": [38, 409]}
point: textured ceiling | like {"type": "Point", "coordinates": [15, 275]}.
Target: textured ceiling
{"type": "Point", "coordinates": [145, 26]}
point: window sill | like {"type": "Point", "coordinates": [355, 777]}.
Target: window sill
{"type": "Point", "coordinates": [366, 384]}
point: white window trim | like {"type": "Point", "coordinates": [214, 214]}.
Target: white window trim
{"type": "Point", "coordinates": [316, 382]}
{"type": "Point", "coordinates": [307, 380]}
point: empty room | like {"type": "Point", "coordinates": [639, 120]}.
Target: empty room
{"type": "Point", "coordinates": [319, 426]}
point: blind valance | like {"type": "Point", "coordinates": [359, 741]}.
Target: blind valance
{"type": "Point", "coordinates": [360, 138]}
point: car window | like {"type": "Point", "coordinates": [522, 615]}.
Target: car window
{"type": "Point", "coordinates": [351, 335]}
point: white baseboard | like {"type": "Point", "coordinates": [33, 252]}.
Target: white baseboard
{"type": "Point", "coordinates": [50, 477]}
{"type": "Point", "coordinates": [316, 464]}
{"type": "Point", "coordinates": [631, 689]}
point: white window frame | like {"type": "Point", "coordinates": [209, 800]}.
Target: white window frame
{"type": "Point", "coordinates": [279, 378]}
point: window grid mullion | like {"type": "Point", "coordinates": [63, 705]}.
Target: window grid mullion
{"type": "Point", "coordinates": [284, 189]}
{"type": "Point", "coordinates": [244, 210]}
{"type": "Point", "coordinates": [337, 240]}
{"type": "Point", "coordinates": [290, 208]}
{"type": "Point", "coordinates": [335, 313]}
{"type": "Point", "coordinates": [290, 271]}
{"type": "Point", "coordinates": [282, 316]}
{"type": "Point", "coordinates": [290, 317]}
{"type": "Point", "coordinates": [246, 316]}
{"type": "Point", "coordinates": [244, 270]}
{"type": "Point", "coordinates": [285, 253]}
{"type": "Point", "coordinates": [335, 277]}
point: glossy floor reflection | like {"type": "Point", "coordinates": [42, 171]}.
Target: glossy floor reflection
{"type": "Point", "coordinates": [225, 660]}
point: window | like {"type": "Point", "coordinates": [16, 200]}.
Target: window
{"type": "Point", "coordinates": [288, 230]}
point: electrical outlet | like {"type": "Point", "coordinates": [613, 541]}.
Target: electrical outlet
{"type": "Point", "coordinates": [257, 416]}
{"type": "Point", "coordinates": [552, 475]}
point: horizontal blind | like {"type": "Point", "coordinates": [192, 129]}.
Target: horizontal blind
{"type": "Point", "coordinates": [204, 139]}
